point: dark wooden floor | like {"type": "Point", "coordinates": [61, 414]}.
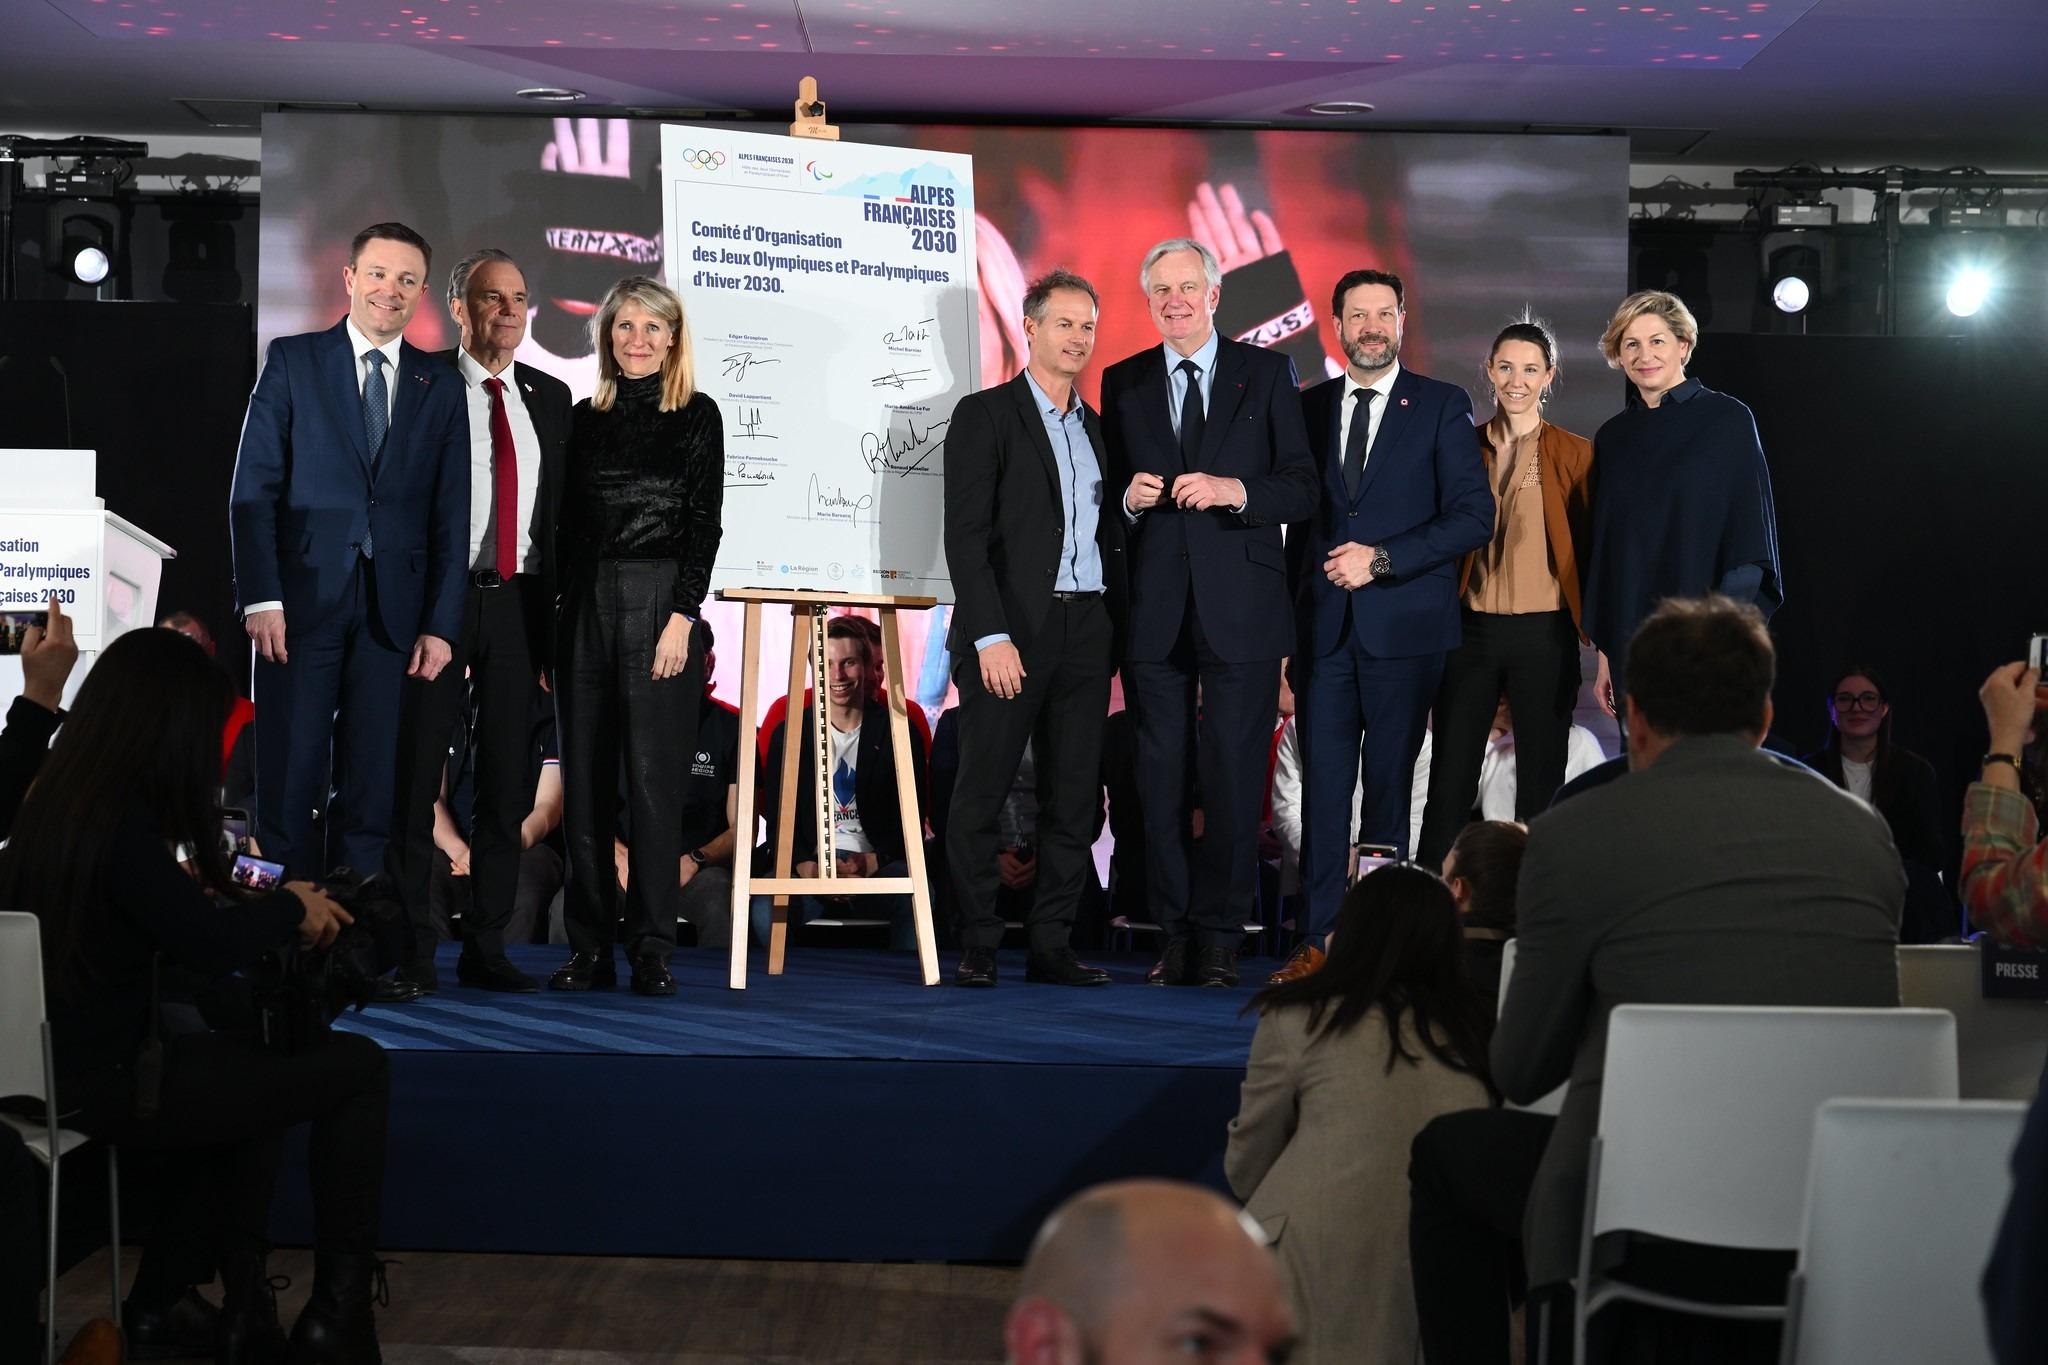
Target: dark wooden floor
{"type": "Point", "coordinates": [452, 1309]}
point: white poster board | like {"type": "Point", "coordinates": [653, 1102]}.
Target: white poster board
{"type": "Point", "coordinates": [830, 289]}
{"type": "Point", "coordinates": [52, 539]}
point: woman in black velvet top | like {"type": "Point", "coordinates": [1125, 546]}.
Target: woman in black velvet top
{"type": "Point", "coordinates": [639, 531]}
{"type": "Point", "coordinates": [1681, 494]}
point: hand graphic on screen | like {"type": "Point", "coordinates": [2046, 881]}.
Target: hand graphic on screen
{"type": "Point", "coordinates": [1219, 221]}
{"type": "Point", "coordinates": [590, 146]}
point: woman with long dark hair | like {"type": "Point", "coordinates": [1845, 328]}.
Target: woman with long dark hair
{"type": "Point", "coordinates": [642, 496]}
{"type": "Point", "coordinates": [1518, 598]}
{"type": "Point", "coordinates": [126, 794]}
{"type": "Point", "coordinates": [1859, 756]}
{"type": "Point", "coordinates": [1347, 1066]}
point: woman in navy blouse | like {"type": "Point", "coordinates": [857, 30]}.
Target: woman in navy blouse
{"type": "Point", "coordinates": [1681, 494]}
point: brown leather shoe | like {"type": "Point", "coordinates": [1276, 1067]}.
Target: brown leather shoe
{"type": "Point", "coordinates": [97, 1343]}
{"type": "Point", "coordinates": [1307, 961]}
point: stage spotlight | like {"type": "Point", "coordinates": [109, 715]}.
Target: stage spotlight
{"type": "Point", "coordinates": [1791, 294]}
{"type": "Point", "coordinates": [1968, 291]}
{"type": "Point", "coordinates": [89, 264]}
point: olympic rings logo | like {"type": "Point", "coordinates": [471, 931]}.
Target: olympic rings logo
{"type": "Point", "coordinates": [702, 159]}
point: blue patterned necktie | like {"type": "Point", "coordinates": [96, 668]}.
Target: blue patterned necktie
{"type": "Point", "coordinates": [376, 415]}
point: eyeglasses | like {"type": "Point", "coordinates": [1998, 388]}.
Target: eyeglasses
{"type": "Point", "coordinates": [1847, 701]}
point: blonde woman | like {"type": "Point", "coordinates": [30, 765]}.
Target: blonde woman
{"type": "Point", "coordinates": [642, 493]}
{"type": "Point", "coordinates": [1681, 494]}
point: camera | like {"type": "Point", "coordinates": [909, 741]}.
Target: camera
{"type": "Point", "coordinates": [299, 992]}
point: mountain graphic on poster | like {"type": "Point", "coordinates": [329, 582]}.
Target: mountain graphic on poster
{"type": "Point", "coordinates": [897, 186]}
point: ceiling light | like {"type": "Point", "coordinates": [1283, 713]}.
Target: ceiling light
{"type": "Point", "coordinates": [1339, 108]}
{"type": "Point", "coordinates": [1968, 292]}
{"type": "Point", "coordinates": [551, 94]}
{"type": "Point", "coordinates": [1791, 294]}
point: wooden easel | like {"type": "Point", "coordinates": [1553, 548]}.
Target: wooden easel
{"type": "Point", "coordinates": [807, 630]}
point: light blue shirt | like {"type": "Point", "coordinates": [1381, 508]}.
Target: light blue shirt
{"type": "Point", "coordinates": [1080, 481]}
{"type": "Point", "coordinates": [1177, 379]}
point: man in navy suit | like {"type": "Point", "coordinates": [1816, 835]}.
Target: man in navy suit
{"type": "Point", "coordinates": [1404, 496]}
{"type": "Point", "coordinates": [350, 512]}
{"type": "Point", "coordinates": [1209, 456]}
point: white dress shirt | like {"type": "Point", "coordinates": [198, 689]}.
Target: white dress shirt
{"type": "Point", "coordinates": [483, 552]}
{"type": "Point", "coordinates": [1384, 387]}
{"type": "Point", "coordinates": [359, 346]}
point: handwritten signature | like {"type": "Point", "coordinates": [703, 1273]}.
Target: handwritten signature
{"type": "Point", "coordinates": [750, 426]}
{"type": "Point", "coordinates": [898, 379]}
{"type": "Point", "coordinates": [835, 502]}
{"type": "Point", "coordinates": [744, 475]}
{"type": "Point", "coordinates": [910, 331]}
{"type": "Point", "coordinates": [892, 450]}
{"type": "Point", "coordinates": [737, 364]}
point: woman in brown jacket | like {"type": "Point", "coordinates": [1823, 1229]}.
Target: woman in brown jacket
{"type": "Point", "coordinates": [1519, 598]}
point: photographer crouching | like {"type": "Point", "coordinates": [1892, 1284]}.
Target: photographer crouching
{"type": "Point", "coordinates": [126, 793]}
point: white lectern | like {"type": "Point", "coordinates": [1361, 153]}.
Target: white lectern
{"type": "Point", "coordinates": [56, 535]}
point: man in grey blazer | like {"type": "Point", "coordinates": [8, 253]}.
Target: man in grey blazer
{"type": "Point", "coordinates": [1710, 875]}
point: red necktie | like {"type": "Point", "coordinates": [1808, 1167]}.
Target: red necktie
{"type": "Point", "coordinates": [504, 481]}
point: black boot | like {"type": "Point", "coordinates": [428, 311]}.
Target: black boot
{"type": "Point", "coordinates": [249, 1332]}
{"type": "Point", "coordinates": [339, 1324]}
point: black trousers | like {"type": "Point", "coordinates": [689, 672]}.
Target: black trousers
{"type": "Point", "coordinates": [493, 660]}
{"type": "Point", "coordinates": [1060, 711]}
{"type": "Point", "coordinates": [617, 721]}
{"type": "Point", "coordinates": [1534, 659]}
{"type": "Point", "coordinates": [226, 1104]}
{"type": "Point", "coordinates": [1206, 890]}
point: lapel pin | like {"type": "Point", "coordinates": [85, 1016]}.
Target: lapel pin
{"type": "Point", "coordinates": [1404, 402]}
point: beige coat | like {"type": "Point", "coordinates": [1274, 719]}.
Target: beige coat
{"type": "Point", "coordinates": [1319, 1153]}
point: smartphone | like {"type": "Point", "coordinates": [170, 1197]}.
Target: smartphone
{"type": "Point", "coordinates": [256, 874]}
{"type": "Point", "coordinates": [1373, 857]}
{"type": "Point", "coordinates": [14, 626]}
{"type": "Point", "coordinates": [2037, 652]}
{"type": "Point", "coordinates": [234, 830]}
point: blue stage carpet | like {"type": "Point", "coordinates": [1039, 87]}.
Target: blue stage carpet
{"type": "Point", "coordinates": [840, 1111]}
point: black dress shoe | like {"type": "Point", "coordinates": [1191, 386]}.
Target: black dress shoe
{"type": "Point", "coordinates": [421, 973]}
{"type": "Point", "coordinates": [492, 974]}
{"type": "Point", "coordinates": [1216, 967]}
{"type": "Point", "coordinates": [395, 990]}
{"type": "Point", "coordinates": [1062, 968]}
{"type": "Point", "coordinates": [650, 976]}
{"type": "Point", "coordinates": [585, 972]}
{"type": "Point", "coordinates": [1172, 967]}
{"type": "Point", "coordinates": [186, 1326]}
{"type": "Point", "coordinates": [977, 968]}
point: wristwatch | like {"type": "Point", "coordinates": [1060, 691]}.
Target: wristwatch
{"type": "Point", "coordinates": [1382, 567]}
{"type": "Point", "coordinates": [2012, 759]}
{"type": "Point", "coordinates": [697, 857]}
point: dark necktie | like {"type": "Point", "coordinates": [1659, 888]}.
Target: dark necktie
{"type": "Point", "coordinates": [504, 482]}
{"type": "Point", "coordinates": [1191, 416]}
{"type": "Point", "coordinates": [1354, 441]}
{"type": "Point", "coordinates": [376, 404]}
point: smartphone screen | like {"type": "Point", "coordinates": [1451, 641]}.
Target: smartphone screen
{"type": "Point", "coordinates": [234, 830]}
{"type": "Point", "coordinates": [1373, 857]}
{"type": "Point", "coordinates": [256, 874]}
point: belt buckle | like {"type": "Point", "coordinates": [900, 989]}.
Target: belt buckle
{"type": "Point", "coordinates": [487, 578]}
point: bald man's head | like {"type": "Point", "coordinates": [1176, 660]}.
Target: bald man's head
{"type": "Point", "coordinates": [1139, 1271]}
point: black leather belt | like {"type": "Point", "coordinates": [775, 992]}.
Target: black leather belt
{"type": "Point", "coordinates": [1072, 597]}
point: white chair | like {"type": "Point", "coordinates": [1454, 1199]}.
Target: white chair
{"type": "Point", "coordinates": [2001, 1045]}
{"type": "Point", "coordinates": [1902, 1206]}
{"type": "Point", "coordinates": [1706, 1125]}
{"type": "Point", "coordinates": [1546, 1104]}
{"type": "Point", "coordinates": [26, 1069]}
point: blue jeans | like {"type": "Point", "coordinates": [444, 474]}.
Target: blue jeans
{"type": "Point", "coordinates": [804, 909]}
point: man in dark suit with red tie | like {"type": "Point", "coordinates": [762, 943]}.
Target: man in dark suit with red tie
{"type": "Point", "coordinates": [1036, 554]}
{"type": "Point", "coordinates": [1404, 497]}
{"type": "Point", "coordinates": [518, 426]}
{"type": "Point", "coordinates": [349, 507]}
{"type": "Point", "coordinates": [1209, 457]}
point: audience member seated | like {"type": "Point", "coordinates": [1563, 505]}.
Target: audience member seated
{"type": "Point", "coordinates": [1126, 818]}
{"type": "Point", "coordinates": [543, 867]}
{"type": "Point", "coordinates": [1146, 1272]}
{"type": "Point", "coordinates": [93, 852]}
{"type": "Point", "coordinates": [710, 801]}
{"type": "Point", "coordinates": [2005, 860]}
{"type": "Point", "coordinates": [1859, 757]}
{"type": "Point", "coordinates": [1498, 773]}
{"type": "Point", "coordinates": [2015, 1306]}
{"type": "Point", "coordinates": [1016, 838]}
{"type": "Point", "coordinates": [869, 832]}
{"type": "Point", "coordinates": [1284, 792]}
{"type": "Point", "coordinates": [1481, 869]}
{"type": "Point", "coordinates": [238, 736]}
{"type": "Point", "coordinates": [1710, 875]}
{"type": "Point", "coordinates": [1347, 1065]}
